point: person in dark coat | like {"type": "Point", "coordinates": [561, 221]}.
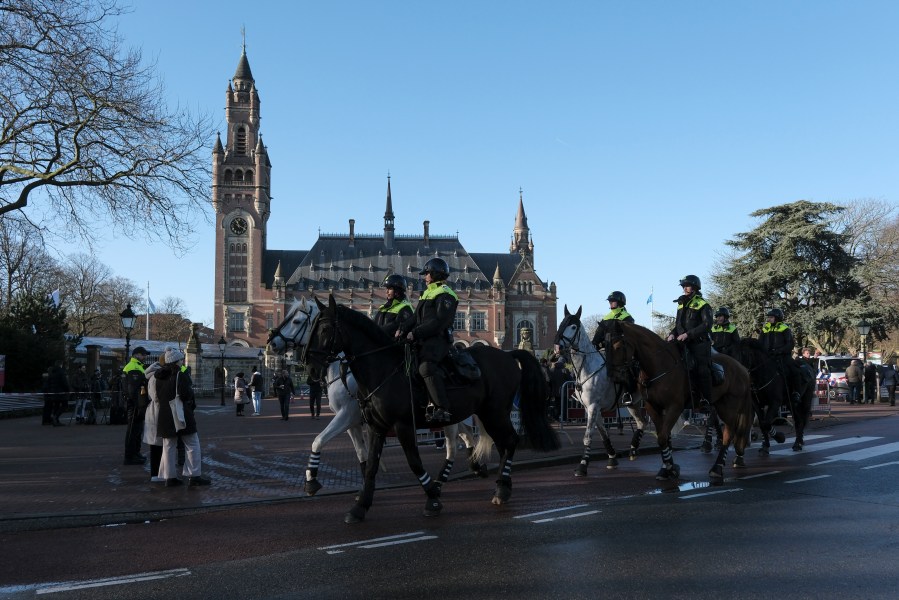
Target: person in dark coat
{"type": "Point", "coordinates": [315, 396]}
{"type": "Point", "coordinates": [558, 375]}
{"type": "Point", "coordinates": [171, 379]}
{"type": "Point", "coordinates": [397, 309]}
{"type": "Point", "coordinates": [58, 390]}
{"type": "Point", "coordinates": [691, 328]}
{"type": "Point", "coordinates": [285, 390]}
{"type": "Point", "coordinates": [134, 390]}
{"type": "Point", "coordinates": [871, 387]}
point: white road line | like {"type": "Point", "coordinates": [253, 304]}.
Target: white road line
{"type": "Point", "coordinates": [758, 475]}
{"type": "Point", "coordinates": [405, 541]}
{"type": "Point", "coordinates": [700, 495]}
{"type": "Point", "coordinates": [807, 479]}
{"type": "Point", "coordinates": [828, 445]}
{"type": "Point", "coordinates": [94, 583]}
{"type": "Point", "coordinates": [574, 516]}
{"type": "Point", "coordinates": [547, 512]}
{"type": "Point", "coordinates": [866, 453]}
{"type": "Point", "coordinates": [373, 540]}
{"type": "Point", "coordinates": [895, 462]}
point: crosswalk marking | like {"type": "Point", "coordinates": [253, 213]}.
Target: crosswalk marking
{"type": "Point", "coordinates": [400, 538]}
{"type": "Point", "coordinates": [886, 464]}
{"type": "Point", "coordinates": [807, 479]}
{"type": "Point", "coordinates": [572, 516]}
{"type": "Point", "coordinates": [839, 443]}
{"type": "Point", "coordinates": [865, 453]}
{"type": "Point", "coordinates": [701, 494]}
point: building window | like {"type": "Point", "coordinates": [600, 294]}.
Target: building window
{"type": "Point", "coordinates": [235, 322]}
{"type": "Point", "coordinates": [241, 141]}
{"type": "Point", "coordinates": [269, 321]}
{"type": "Point", "coordinates": [478, 321]}
{"type": "Point", "coordinates": [459, 322]}
{"type": "Point", "coordinates": [237, 273]}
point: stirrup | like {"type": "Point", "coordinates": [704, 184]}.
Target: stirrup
{"type": "Point", "coordinates": [627, 399]}
{"type": "Point", "coordinates": [438, 416]}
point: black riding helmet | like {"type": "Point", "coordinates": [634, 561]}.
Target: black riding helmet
{"type": "Point", "coordinates": [438, 269]}
{"type": "Point", "coordinates": [396, 282]}
{"type": "Point", "coordinates": [776, 313]}
{"type": "Point", "coordinates": [691, 280]}
{"type": "Point", "coordinates": [723, 312]}
{"type": "Point", "coordinates": [617, 297]}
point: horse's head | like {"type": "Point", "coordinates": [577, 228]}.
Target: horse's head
{"type": "Point", "coordinates": [294, 330]}
{"type": "Point", "coordinates": [325, 338]}
{"type": "Point", "coordinates": [569, 330]}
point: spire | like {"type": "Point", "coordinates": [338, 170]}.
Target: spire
{"type": "Point", "coordinates": [521, 233]}
{"type": "Point", "coordinates": [260, 149]}
{"type": "Point", "coordinates": [243, 65]}
{"type": "Point", "coordinates": [497, 278]}
{"type": "Point", "coordinates": [388, 218]}
{"type": "Point", "coordinates": [521, 220]}
{"type": "Point", "coordinates": [218, 149]}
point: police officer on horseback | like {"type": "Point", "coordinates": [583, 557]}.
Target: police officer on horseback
{"type": "Point", "coordinates": [777, 339]}
{"type": "Point", "coordinates": [431, 331]}
{"type": "Point", "coordinates": [725, 337]}
{"type": "Point", "coordinates": [691, 328]}
{"type": "Point", "coordinates": [397, 308]}
{"type": "Point", "coordinates": [617, 312]}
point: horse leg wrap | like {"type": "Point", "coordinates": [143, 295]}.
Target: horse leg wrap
{"type": "Point", "coordinates": [635, 439]}
{"type": "Point", "coordinates": [667, 456]}
{"type": "Point", "coordinates": [315, 460]}
{"type": "Point", "coordinates": [506, 473]}
{"type": "Point", "coordinates": [445, 471]}
{"type": "Point", "coordinates": [425, 480]}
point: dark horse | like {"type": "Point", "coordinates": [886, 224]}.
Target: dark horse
{"type": "Point", "coordinates": [392, 400]}
{"type": "Point", "coordinates": [665, 382]}
{"type": "Point", "coordinates": [769, 391]}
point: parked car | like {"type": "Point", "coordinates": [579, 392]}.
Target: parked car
{"type": "Point", "coordinates": [834, 367]}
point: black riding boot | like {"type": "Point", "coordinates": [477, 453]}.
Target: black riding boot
{"type": "Point", "coordinates": [437, 392]}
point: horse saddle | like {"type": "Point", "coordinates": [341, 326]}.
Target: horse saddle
{"type": "Point", "coordinates": [459, 363]}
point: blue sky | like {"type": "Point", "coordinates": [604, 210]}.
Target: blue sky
{"type": "Point", "coordinates": [642, 133]}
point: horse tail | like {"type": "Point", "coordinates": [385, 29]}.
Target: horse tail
{"type": "Point", "coordinates": [533, 404]}
{"type": "Point", "coordinates": [484, 447]}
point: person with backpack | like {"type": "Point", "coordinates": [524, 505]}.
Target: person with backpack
{"type": "Point", "coordinates": [257, 386]}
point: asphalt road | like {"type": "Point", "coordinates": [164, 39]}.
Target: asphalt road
{"type": "Point", "coordinates": [817, 524]}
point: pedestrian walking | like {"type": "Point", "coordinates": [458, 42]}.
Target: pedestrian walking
{"type": "Point", "coordinates": [285, 390]}
{"type": "Point", "coordinates": [257, 385]}
{"type": "Point", "coordinates": [889, 377]}
{"type": "Point", "coordinates": [315, 396]}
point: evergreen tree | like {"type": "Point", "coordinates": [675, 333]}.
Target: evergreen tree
{"type": "Point", "coordinates": [795, 260]}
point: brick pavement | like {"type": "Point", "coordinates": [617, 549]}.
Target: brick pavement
{"type": "Point", "coordinates": [73, 475]}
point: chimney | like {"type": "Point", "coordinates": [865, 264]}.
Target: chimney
{"type": "Point", "coordinates": [352, 232]}
{"type": "Point", "coordinates": [427, 225]}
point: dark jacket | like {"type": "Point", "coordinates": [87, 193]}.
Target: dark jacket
{"type": "Point", "coordinates": [726, 339]}
{"type": "Point", "coordinates": [391, 315]}
{"type": "Point", "coordinates": [257, 383]}
{"type": "Point", "coordinates": [777, 339]}
{"type": "Point", "coordinates": [166, 379]}
{"type": "Point", "coordinates": [604, 326]}
{"type": "Point", "coordinates": [315, 387]}
{"type": "Point", "coordinates": [694, 317]}
{"type": "Point", "coordinates": [432, 324]}
{"type": "Point", "coordinates": [134, 386]}
{"type": "Point", "coordinates": [284, 386]}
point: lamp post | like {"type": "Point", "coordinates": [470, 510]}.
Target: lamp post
{"type": "Point", "coordinates": [128, 320]}
{"type": "Point", "coordinates": [222, 343]}
{"type": "Point", "coordinates": [864, 328]}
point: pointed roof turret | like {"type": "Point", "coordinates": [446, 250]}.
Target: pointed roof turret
{"type": "Point", "coordinates": [388, 219]}
{"type": "Point", "coordinates": [497, 278]}
{"type": "Point", "coordinates": [388, 213]}
{"type": "Point", "coordinates": [260, 149]}
{"type": "Point", "coordinates": [243, 66]}
{"type": "Point", "coordinates": [521, 232]}
{"type": "Point", "coordinates": [521, 219]}
{"type": "Point", "coordinates": [218, 149]}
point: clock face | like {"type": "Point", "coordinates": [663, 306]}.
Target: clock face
{"type": "Point", "coordinates": [239, 226]}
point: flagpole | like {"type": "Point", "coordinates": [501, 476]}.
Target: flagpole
{"type": "Point", "coordinates": [652, 304]}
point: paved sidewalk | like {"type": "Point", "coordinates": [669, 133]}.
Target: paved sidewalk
{"type": "Point", "coordinates": [68, 476]}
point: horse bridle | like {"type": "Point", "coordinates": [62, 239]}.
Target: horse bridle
{"type": "Point", "coordinates": [572, 347]}
{"type": "Point", "coordinates": [292, 342]}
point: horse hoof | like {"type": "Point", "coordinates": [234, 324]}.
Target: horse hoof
{"type": "Point", "coordinates": [433, 507]}
{"type": "Point", "coordinates": [355, 515]}
{"type": "Point", "coordinates": [497, 501]}
{"type": "Point", "coordinates": [797, 446]}
{"type": "Point", "coordinates": [502, 494]}
{"type": "Point", "coordinates": [706, 447]}
{"type": "Point", "coordinates": [717, 472]}
{"type": "Point", "coordinates": [613, 463]}
{"type": "Point", "coordinates": [739, 462]}
{"type": "Point", "coordinates": [780, 438]}
{"type": "Point", "coordinates": [632, 455]}
{"type": "Point", "coordinates": [764, 450]}
{"type": "Point", "coordinates": [668, 473]}
{"type": "Point", "coordinates": [581, 470]}
{"type": "Point", "coordinates": [311, 487]}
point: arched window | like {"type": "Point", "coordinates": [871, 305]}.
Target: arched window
{"type": "Point", "coordinates": [241, 141]}
{"type": "Point", "coordinates": [228, 175]}
{"type": "Point", "coordinates": [248, 177]}
{"type": "Point", "coordinates": [238, 176]}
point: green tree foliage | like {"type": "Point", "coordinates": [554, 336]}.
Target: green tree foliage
{"type": "Point", "coordinates": [32, 336]}
{"type": "Point", "coordinates": [795, 260]}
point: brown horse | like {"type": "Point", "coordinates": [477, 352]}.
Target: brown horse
{"type": "Point", "coordinates": [666, 386]}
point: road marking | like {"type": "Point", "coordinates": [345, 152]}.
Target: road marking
{"type": "Point", "coordinates": [701, 494]}
{"type": "Point", "coordinates": [758, 475]}
{"type": "Point", "coordinates": [828, 445]}
{"type": "Point", "coordinates": [895, 462]}
{"type": "Point", "coordinates": [866, 453]}
{"type": "Point", "coordinates": [807, 479]}
{"type": "Point", "coordinates": [547, 512]}
{"type": "Point", "coordinates": [574, 516]}
{"type": "Point", "coordinates": [94, 583]}
{"type": "Point", "coordinates": [400, 538]}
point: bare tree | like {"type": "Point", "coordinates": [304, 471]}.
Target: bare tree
{"type": "Point", "coordinates": [82, 293]}
{"type": "Point", "coordinates": [25, 268]}
{"type": "Point", "coordinates": [83, 121]}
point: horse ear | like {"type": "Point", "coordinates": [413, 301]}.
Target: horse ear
{"type": "Point", "coordinates": [567, 314]}
{"type": "Point", "coordinates": [319, 303]}
{"type": "Point", "coordinates": [332, 303]}
{"type": "Point", "coordinates": [577, 315]}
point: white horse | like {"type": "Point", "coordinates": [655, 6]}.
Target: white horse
{"type": "Point", "coordinates": [343, 399]}
{"type": "Point", "coordinates": [595, 391]}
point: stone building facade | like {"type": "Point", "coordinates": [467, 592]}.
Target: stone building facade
{"type": "Point", "coordinates": [500, 294]}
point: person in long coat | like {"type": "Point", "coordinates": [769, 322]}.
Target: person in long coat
{"type": "Point", "coordinates": [169, 380]}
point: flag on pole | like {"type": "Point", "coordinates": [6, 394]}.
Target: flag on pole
{"type": "Point", "coordinates": [54, 297]}
{"type": "Point", "coordinates": [150, 306]}
{"type": "Point", "coordinates": [649, 300]}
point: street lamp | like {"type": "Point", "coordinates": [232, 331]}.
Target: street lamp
{"type": "Point", "coordinates": [864, 328]}
{"type": "Point", "coordinates": [128, 320]}
{"type": "Point", "coordinates": [222, 343]}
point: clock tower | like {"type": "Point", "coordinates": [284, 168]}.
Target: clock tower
{"type": "Point", "coordinates": [241, 199]}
